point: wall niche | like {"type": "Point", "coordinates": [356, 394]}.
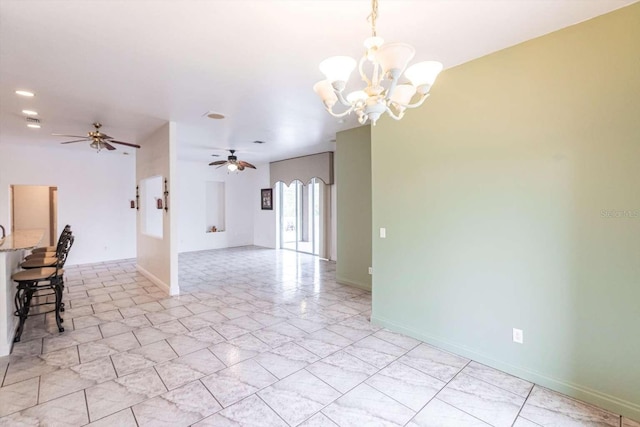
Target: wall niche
{"type": "Point", "coordinates": [215, 208]}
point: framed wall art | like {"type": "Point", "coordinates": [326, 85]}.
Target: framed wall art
{"type": "Point", "coordinates": [266, 197]}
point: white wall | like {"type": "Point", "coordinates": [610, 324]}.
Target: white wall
{"type": "Point", "coordinates": [151, 190]}
{"type": "Point", "coordinates": [158, 257]}
{"type": "Point", "coordinates": [264, 229]}
{"type": "Point", "coordinates": [93, 195]}
{"type": "Point", "coordinates": [245, 224]}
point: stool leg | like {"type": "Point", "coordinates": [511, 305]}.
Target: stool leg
{"type": "Point", "coordinates": [22, 301]}
{"type": "Point", "coordinates": [58, 290]}
{"type": "Point", "coordinates": [61, 293]}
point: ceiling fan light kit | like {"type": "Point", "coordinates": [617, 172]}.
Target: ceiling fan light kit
{"type": "Point", "coordinates": [387, 62]}
{"type": "Point", "coordinates": [232, 163]}
{"type": "Point", "coordinates": [98, 139]}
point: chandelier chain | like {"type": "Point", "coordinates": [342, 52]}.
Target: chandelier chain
{"type": "Point", "coordinates": [373, 17]}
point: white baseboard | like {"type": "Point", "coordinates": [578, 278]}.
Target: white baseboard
{"type": "Point", "coordinates": [164, 286]}
{"type": "Point", "coordinates": [603, 400]}
{"type": "Point", "coordinates": [347, 282]}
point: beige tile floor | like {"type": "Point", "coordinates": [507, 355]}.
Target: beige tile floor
{"type": "Point", "coordinates": [257, 338]}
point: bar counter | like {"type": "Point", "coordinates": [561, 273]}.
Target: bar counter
{"type": "Point", "coordinates": [12, 249]}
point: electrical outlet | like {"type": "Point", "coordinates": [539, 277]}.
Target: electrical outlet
{"type": "Point", "coordinates": [383, 233]}
{"type": "Point", "coordinates": [518, 336]}
{"type": "Point", "coordinates": [370, 270]}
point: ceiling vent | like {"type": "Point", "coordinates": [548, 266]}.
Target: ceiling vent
{"type": "Point", "coordinates": [258, 142]}
{"type": "Point", "coordinates": [32, 120]}
{"type": "Point", "coordinates": [214, 115]}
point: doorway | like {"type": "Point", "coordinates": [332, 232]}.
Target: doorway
{"type": "Point", "coordinates": [300, 216]}
{"type": "Point", "coordinates": [35, 207]}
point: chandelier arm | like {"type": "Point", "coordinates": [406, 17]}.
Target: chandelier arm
{"type": "Point", "coordinates": [339, 115]}
{"type": "Point", "coordinates": [393, 116]}
{"type": "Point", "coordinates": [342, 100]}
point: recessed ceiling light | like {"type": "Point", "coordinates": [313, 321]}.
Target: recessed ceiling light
{"type": "Point", "coordinates": [30, 112]}
{"type": "Point", "coordinates": [33, 125]}
{"type": "Point", "coordinates": [25, 93]}
{"type": "Point", "coordinates": [214, 115]}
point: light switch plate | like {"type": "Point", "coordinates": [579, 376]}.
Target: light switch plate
{"type": "Point", "coordinates": [383, 233]}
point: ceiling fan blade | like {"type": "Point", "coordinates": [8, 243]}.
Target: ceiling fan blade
{"type": "Point", "coordinates": [240, 166]}
{"type": "Point", "coordinates": [108, 146]}
{"type": "Point", "coordinates": [221, 166]}
{"type": "Point", "coordinates": [246, 164]}
{"type": "Point", "coordinates": [105, 136]}
{"type": "Point", "coordinates": [77, 140]}
{"type": "Point", "coordinates": [218, 162]}
{"type": "Point", "coordinates": [70, 136]}
{"type": "Point", "coordinates": [125, 143]}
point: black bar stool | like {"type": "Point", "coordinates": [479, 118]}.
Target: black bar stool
{"type": "Point", "coordinates": [31, 282]}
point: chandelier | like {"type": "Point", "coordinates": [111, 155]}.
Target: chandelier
{"type": "Point", "coordinates": [383, 93]}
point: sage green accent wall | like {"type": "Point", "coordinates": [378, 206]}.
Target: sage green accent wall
{"type": "Point", "coordinates": [353, 177]}
{"type": "Point", "coordinates": [517, 205]}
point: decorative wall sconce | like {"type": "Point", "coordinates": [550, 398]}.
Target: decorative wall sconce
{"type": "Point", "coordinates": [166, 196]}
{"type": "Point", "coordinates": [137, 198]}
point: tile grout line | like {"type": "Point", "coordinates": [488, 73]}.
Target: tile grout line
{"type": "Point", "coordinates": [453, 406]}
{"type": "Point", "coordinates": [523, 405]}
{"type": "Point", "coordinates": [134, 415]}
{"type": "Point", "coordinates": [38, 395]}
{"type": "Point", "coordinates": [268, 406]}
{"type": "Point", "coordinates": [497, 386]}
{"type": "Point", "coordinates": [86, 404]}
{"type": "Point", "coordinates": [443, 387]}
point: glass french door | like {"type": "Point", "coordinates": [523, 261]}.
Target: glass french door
{"type": "Point", "coordinates": [300, 216]}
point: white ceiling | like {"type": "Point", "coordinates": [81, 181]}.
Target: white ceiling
{"type": "Point", "coordinates": [134, 64]}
